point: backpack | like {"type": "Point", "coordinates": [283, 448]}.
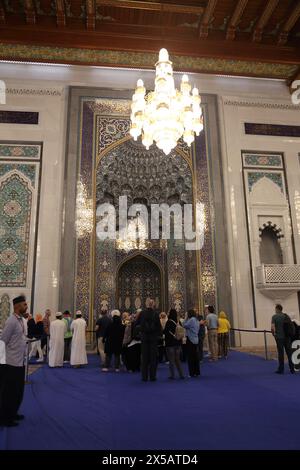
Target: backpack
{"type": "Point", "coordinates": [289, 327]}
{"type": "Point", "coordinates": [179, 331]}
{"type": "Point", "coordinates": [68, 322]}
{"type": "Point", "coordinates": [69, 325]}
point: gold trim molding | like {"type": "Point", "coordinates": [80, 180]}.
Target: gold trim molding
{"type": "Point", "coordinates": [71, 55]}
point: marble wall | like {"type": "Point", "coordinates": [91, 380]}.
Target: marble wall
{"type": "Point", "coordinates": [266, 158]}
{"type": "Point", "coordinates": [44, 89]}
{"type": "Point", "coordinates": [31, 179]}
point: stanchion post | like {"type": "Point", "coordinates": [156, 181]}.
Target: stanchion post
{"type": "Point", "coordinates": [47, 350]}
{"type": "Point", "coordinates": [27, 364]}
{"type": "Point", "coordinates": [266, 346]}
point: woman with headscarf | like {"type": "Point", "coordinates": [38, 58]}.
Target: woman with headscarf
{"type": "Point", "coordinates": [134, 347]}
{"type": "Point", "coordinates": [223, 334]}
{"type": "Point", "coordinates": [113, 340]}
{"type": "Point", "coordinates": [127, 323]}
{"type": "Point", "coordinates": [173, 345]}
{"type": "Point", "coordinates": [38, 332]}
{"type": "Point", "coordinates": [163, 318]}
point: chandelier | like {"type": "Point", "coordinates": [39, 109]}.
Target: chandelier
{"type": "Point", "coordinates": [136, 236]}
{"type": "Point", "coordinates": [166, 114]}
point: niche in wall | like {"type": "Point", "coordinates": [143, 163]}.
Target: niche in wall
{"type": "Point", "coordinates": [269, 249]}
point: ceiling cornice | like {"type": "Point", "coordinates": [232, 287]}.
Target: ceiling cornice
{"type": "Point", "coordinates": [127, 59]}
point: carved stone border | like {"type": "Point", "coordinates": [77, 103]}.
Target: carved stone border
{"type": "Point", "coordinates": [35, 91]}
{"type": "Point", "coordinates": [262, 104]}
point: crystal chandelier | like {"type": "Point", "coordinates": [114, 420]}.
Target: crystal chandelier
{"type": "Point", "coordinates": [165, 115]}
{"type": "Point", "coordinates": [136, 237]}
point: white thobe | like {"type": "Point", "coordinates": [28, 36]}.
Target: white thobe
{"type": "Point", "coordinates": [57, 333]}
{"type": "Point", "coordinates": [2, 352]}
{"type": "Point", "coordinates": [78, 351]}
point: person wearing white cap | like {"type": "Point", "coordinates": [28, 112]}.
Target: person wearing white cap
{"type": "Point", "coordinates": [57, 335]}
{"type": "Point", "coordinates": [78, 351]}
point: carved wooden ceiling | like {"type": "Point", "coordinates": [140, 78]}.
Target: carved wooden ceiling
{"type": "Point", "coordinates": [238, 37]}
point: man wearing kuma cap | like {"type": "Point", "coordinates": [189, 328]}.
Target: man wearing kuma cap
{"type": "Point", "coordinates": [58, 329]}
{"type": "Point", "coordinates": [12, 378]}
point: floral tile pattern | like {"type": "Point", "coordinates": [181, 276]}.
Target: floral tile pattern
{"type": "Point", "coordinates": [20, 151]}
{"type": "Point", "coordinates": [203, 196]}
{"type": "Point", "coordinates": [18, 189]}
{"type": "Point", "coordinates": [255, 176]}
{"type": "Point", "coordinates": [27, 170]}
{"type": "Point", "coordinates": [259, 160]}
{"type": "Point", "coordinates": [4, 309]}
{"type": "Point", "coordinates": [15, 210]}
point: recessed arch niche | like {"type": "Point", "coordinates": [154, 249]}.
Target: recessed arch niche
{"type": "Point", "coordinates": [145, 177]}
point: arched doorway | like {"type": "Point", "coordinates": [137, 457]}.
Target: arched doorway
{"type": "Point", "coordinates": [138, 279]}
{"type": "Point", "coordinates": [270, 250]}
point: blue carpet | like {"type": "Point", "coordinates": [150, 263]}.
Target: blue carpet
{"type": "Point", "coordinates": [236, 404]}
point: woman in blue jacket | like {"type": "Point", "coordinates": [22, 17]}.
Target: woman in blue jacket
{"type": "Point", "coordinates": [192, 329]}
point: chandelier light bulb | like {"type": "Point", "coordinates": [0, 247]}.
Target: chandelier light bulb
{"type": "Point", "coordinates": [165, 115]}
{"type": "Point", "coordinates": [163, 55]}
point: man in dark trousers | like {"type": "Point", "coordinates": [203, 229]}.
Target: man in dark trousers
{"type": "Point", "coordinates": [12, 380]}
{"type": "Point", "coordinates": [150, 332]}
{"type": "Point", "coordinates": [283, 341]}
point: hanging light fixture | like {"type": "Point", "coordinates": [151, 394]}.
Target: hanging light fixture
{"type": "Point", "coordinates": [165, 115]}
{"type": "Point", "coordinates": [136, 237]}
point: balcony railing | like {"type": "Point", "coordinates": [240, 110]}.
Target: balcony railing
{"type": "Point", "coordinates": [283, 275]}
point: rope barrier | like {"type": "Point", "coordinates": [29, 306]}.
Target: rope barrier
{"type": "Point", "coordinates": [265, 332]}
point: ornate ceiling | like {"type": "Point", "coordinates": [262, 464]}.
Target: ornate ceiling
{"type": "Point", "coordinates": [143, 176]}
{"type": "Point", "coordinates": [238, 37]}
